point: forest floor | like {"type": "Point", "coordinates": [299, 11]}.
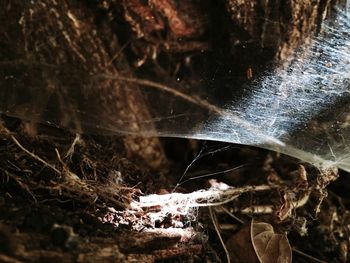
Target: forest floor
{"type": "Point", "coordinates": [68, 198]}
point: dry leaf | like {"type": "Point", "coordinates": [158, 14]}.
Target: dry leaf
{"type": "Point", "coordinates": [270, 247]}
{"type": "Point", "coordinates": [240, 247]}
{"type": "Point", "coordinates": [259, 243]}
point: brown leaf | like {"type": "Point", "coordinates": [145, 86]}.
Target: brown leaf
{"type": "Point", "coordinates": [240, 247]}
{"type": "Point", "coordinates": [270, 247]}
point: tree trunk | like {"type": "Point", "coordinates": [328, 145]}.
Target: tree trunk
{"type": "Point", "coordinates": [55, 49]}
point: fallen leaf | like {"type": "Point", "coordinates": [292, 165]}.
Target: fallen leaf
{"type": "Point", "coordinates": [240, 247]}
{"type": "Point", "coordinates": [270, 247]}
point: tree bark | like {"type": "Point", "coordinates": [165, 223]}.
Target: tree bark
{"type": "Point", "coordinates": [58, 47]}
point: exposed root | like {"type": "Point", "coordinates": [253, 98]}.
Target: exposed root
{"type": "Point", "coordinates": [35, 156]}
{"type": "Point", "coordinates": [72, 186]}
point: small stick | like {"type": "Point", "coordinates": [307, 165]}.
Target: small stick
{"type": "Point", "coordinates": [232, 215]}
{"type": "Point", "coordinates": [268, 209]}
{"type": "Point", "coordinates": [216, 226]}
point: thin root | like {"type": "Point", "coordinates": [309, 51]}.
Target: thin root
{"type": "Point", "coordinates": [70, 152]}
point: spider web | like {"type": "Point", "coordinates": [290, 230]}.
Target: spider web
{"type": "Point", "coordinates": [302, 109]}
{"type": "Point", "coordinates": [304, 105]}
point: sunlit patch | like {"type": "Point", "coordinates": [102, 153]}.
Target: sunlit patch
{"type": "Point", "coordinates": [176, 212]}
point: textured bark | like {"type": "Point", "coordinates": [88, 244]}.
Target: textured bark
{"type": "Point", "coordinates": [62, 46]}
{"type": "Point", "coordinates": [281, 25]}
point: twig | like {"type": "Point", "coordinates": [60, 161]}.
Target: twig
{"type": "Point", "coordinates": [258, 209]}
{"type": "Point", "coordinates": [145, 82]}
{"type": "Point", "coordinates": [196, 101]}
{"type": "Point", "coordinates": [34, 156]}
{"type": "Point", "coordinates": [22, 185]}
{"type": "Point", "coordinates": [308, 256]}
{"type": "Point", "coordinates": [216, 226]}
{"type": "Point", "coordinates": [119, 52]}
{"type": "Point", "coordinates": [232, 215]}
{"type": "Point", "coordinates": [268, 209]}
{"type": "Point", "coordinates": [207, 175]}
{"type": "Point", "coordinates": [198, 156]}
{"type": "Point", "coordinates": [210, 197]}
